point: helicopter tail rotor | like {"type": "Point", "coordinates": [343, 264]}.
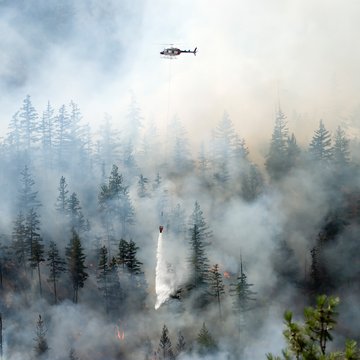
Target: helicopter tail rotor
{"type": "Point", "coordinates": [195, 51]}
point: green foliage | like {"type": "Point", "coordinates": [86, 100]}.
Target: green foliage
{"type": "Point", "coordinates": [205, 341]}
{"type": "Point", "coordinates": [41, 346]}
{"type": "Point", "coordinates": [165, 351]}
{"type": "Point", "coordinates": [76, 264]}
{"type": "Point", "coordinates": [320, 146]}
{"type": "Point", "coordinates": [308, 341]}
{"type": "Point", "coordinates": [217, 289]}
{"type": "Point", "coordinates": [198, 261]}
{"type": "Point", "coordinates": [56, 266]}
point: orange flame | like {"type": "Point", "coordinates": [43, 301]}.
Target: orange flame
{"type": "Point", "coordinates": [120, 334]}
{"type": "Point", "coordinates": [226, 275]}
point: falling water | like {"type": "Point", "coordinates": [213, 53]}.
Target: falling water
{"type": "Point", "coordinates": [164, 281]}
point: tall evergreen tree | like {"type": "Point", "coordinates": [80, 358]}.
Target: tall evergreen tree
{"type": "Point", "coordinates": [132, 263]}
{"type": "Point", "coordinates": [142, 186]}
{"type": "Point", "coordinates": [123, 253]}
{"type": "Point", "coordinates": [62, 201]}
{"type": "Point", "coordinates": [47, 134]}
{"type": "Point", "coordinates": [276, 162]}
{"type": "Point", "coordinates": [252, 184]}
{"type": "Point", "coordinates": [62, 137]}
{"type": "Point", "coordinates": [205, 341]}
{"type": "Point", "coordinates": [320, 146]}
{"type": "Point", "coordinates": [181, 344]}
{"type": "Point", "coordinates": [76, 264]}
{"type": "Point", "coordinates": [199, 236]}
{"type": "Point", "coordinates": [242, 293]}
{"type": "Point", "coordinates": [102, 275]}
{"type": "Point", "coordinates": [56, 266]}
{"type": "Point", "coordinates": [77, 220]}
{"type": "Point", "coordinates": [165, 351]}
{"type": "Point", "coordinates": [41, 346]}
{"type": "Point", "coordinates": [217, 288]}
{"type": "Point", "coordinates": [341, 149]}
{"type": "Point", "coordinates": [19, 240]}
{"type": "Point", "coordinates": [37, 257]}
{"type": "Point", "coordinates": [32, 232]}
{"type": "Point", "coordinates": [28, 122]}
{"type": "Point", "coordinates": [27, 198]}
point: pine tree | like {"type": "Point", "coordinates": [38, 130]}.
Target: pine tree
{"type": "Point", "coordinates": [310, 340]}
{"type": "Point", "coordinates": [198, 261]}
{"type": "Point", "coordinates": [56, 266]}
{"type": "Point", "coordinates": [19, 240]}
{"type": "Point", "coordinates": [102, 275]}
{"type": "Point", "coordinates": [47, 134]}
{"type": "Point", "coordinates": [62, 201]}
{"type": "Point", "coordinates": [181, 344]}
{"type": "Point", "coordinates": [276, 162]}
{"type": "Point", "coordinates": [41, 347]}
{"type": "Point", "coordinates": [77, 220]}
{"type": "Point", "coordinates": [217, 289]}
{"type": "Point", "coordinates": [293, 151]}
{"type": "Point", "coordinates": [242, 293]}
{"type": "Point", "coordinates": [132, 263]}
{"type": "Point", "coordinates": [27, 198]}
{"type": "Point", "coordinates": [28, 122]}
{"type": "Point", "coordinates": [320, 146]}
{"type": "Point", "coordinates": [341, 149]}
{"type": "Point", "coordinates": [62, 137]}
{"type": "Point", "coordinates": [76, 264]}
{"type": "Point", "coordinates": [252, 184]}
{"type": "Point", "coordinates": [165, 351]}
{"type": "Point", "coordinates": [142, 186]}
{"type": "Point", "coordinates": [123, 253]}
{"type": "Point", "coordinates": [32, 229]}
{"type": "Point", "coordinates": [205, 341]}
{"type": "Point", "coordinates": [37, 257]}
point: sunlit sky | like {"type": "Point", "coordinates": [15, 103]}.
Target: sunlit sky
{"type": "Point", "coordinates": [251, 56]}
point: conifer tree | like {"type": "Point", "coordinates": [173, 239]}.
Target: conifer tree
{"type": "Point", "coordinates": [32, 229]}
{"type": "Point", "coordinates": [77, 220]}
{"type": "Point", "coordinates": [165, 351]}
{"type": "Point", "coordinates": [41, 346]}
{"type": "Point", "coordinates": [19, 240]}
{"type": "Point", "coordinates": [27, 196]}
{"type": "Point", "coordinates": [242, 293]}
{"type": "Point", "coordinates": [132, 263]}
{"type": "Point", "coordinates": [142, 186]}
{"type": "Point", "coordinates": [47, 134]}
{"type": "Point", "coordinates": [276, 162]}
{"type": "Point", "coordinates": [310, 340]}
{"type": "Point", "coordinates": [56, 266]}
{"type": "Point", "coordinates": [62, 201]}
{"type": "Point", "coordinates": [199, 237]}
{"type": "Point", "coordinates": [181, 344]}
{"type": "Point", "coordinates": [123, 253]}
{"type": "Point", "coordinates": [28, 122]}
{"type": "Point", "coordinates": [205, 341]}
{"type": "Point", "coordinates": [252, 183]}
{"type": "Point", "coordinates": [102, 275]}
{"type": "Point", "coordinates": [217, 289]}
{"type": "Point", "coordinates": [320, 146]}
{"type": "Point", "coordinates": [341, 149]}
{"type": "Point", "coordinates": [37, 257]}
{"type": "Point", "coordinates": [76, 264]}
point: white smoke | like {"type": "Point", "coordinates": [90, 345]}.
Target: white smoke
{"type": "Point", "coordinates": [165, 279]}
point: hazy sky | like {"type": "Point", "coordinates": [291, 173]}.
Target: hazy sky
{"type": "Point", "coordinates": [250, 54]}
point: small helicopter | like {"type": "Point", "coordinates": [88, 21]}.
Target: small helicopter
{"type": "Point", "coordinates": [171, 52]}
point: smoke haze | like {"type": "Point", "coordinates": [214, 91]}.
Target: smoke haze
{"type": "Point", "coordinates": [254, 58]}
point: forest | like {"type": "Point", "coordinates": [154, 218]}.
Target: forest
{"type": "Point", "coordinates": [243, 242]}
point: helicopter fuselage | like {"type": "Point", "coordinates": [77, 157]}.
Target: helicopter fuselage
{"type": "Point", "coordinates": [175, 51]}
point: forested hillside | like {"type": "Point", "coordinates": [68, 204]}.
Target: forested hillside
{"type": "Point", "coordinates": [242, 241]}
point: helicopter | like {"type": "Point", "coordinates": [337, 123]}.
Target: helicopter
{"type": "Point", "coordinates": [172, 51]}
